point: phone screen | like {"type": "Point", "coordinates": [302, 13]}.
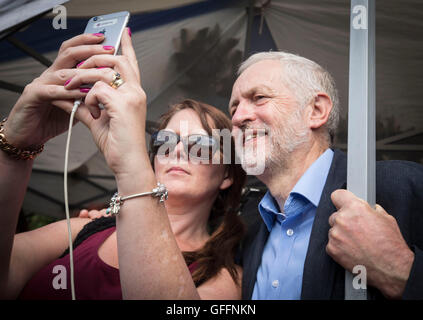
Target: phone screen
{"type": "Point", "coordinates": [111, 25]}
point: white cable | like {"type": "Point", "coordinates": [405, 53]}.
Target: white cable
{"type": "Point", "coordinates": [65, 173]}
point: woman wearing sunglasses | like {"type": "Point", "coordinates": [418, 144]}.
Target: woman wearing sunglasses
{"type": "Point", "coordinates": [179, 248]}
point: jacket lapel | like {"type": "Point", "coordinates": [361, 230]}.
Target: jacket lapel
{"type": "Point", "coordinates": [320, 269]}
{"type": "Point", "coordinates": [252, 261]}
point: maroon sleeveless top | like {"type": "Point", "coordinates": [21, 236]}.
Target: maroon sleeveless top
{"type": "Point", "coordinates": [94, 279]}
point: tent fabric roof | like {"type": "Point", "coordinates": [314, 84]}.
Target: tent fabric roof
{"type": "Point", "coordinates": [87, 9]}
{"type": "Point", "coordinates": [13, 12]}
{"type": "Point", "coordinates": [320, 31]}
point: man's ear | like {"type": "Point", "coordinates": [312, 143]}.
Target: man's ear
{"type": "Point", "coordinates": [320, 109]}
{"type": "Point", "coordinates": [227, 181]}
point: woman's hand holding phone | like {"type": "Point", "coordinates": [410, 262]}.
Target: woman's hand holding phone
{"type": "Point", "coordinates": [119, 129]}
{"type": "Point", "coordinates": [42, 111]}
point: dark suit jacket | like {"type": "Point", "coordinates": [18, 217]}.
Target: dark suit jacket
{"type": "Point", "coordinates": [399, 192]}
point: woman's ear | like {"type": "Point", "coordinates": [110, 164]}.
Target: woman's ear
{"type": "Point", "coordinates": [321, 107]}
{"type": "Point", "coordinates": [227, 181]}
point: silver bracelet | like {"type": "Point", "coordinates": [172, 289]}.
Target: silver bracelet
{"type": "Point", "coordinates": [117, 200]}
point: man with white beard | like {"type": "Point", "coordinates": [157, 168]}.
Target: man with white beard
{"type": "Point", "coordinates": [311, 229]}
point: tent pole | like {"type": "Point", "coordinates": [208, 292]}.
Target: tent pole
{"type": "Point", "coordinates": [247, 47]}
{"type": "Point", "coordinates": [29, 51]}
{"type": "Point", "coordinates": [11, 87]}
{"type": "Point", "coordinates": [361, 174]}
{"type": "Point", "coordinates": [7, 34]}
{"type": "Point", "coordinates": [12, 30]}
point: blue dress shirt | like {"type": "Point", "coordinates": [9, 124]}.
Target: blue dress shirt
{"type": "Point", "coordinates": [280, 274]}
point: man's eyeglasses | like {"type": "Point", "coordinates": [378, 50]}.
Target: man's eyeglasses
{"type": "Point", "coordinates": [196, 146]}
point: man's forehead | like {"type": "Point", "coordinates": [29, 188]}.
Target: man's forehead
{"type": "Point", "coordinates": [261, 75]}
{"type": "Point", "coordinates": [266, 72]}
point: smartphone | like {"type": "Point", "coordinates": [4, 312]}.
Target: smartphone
{"type": "Point", "coordinates": [111, 25]}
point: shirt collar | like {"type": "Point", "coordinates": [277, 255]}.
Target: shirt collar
{"type": "Point", "coordinates": [313, 180]}
{"type": "Point", "coordinates": [308, 188]}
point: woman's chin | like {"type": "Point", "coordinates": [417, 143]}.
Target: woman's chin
{"type": "Point", "coordinates": [177, 188]}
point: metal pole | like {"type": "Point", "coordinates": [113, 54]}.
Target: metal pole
{"type": "Point", "coordinates": [361, 117]}
{"type": "Point", "coordinates": [29, 51]}
{"type": "Point", "coordinates": [11, 87]}
{"type": "Point", "coordinates": [250, 19]}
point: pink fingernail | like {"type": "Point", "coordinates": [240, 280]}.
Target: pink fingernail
{"type": "Point", "coordinates": [101, 67]}
{"type": "Point", "coordinates": [79, 64]}
{"type": "Point", "coordinates": [108, 47]}
{"type": "Point", "coordinates": [67, 81]}
{"type": "Point", "coordinates": [129, 32]}
{"type": "Point", "coordinates": [84, 90]}
{"type": "Point", "coordinates": [98, 34]}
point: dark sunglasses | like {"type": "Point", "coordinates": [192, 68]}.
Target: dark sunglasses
{"type": "Point", "coordinates": [196, 146]}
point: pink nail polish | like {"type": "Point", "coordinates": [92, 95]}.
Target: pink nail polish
{"type": "Point", "coordinates": [98, 34]}
{"type": "Point", "coordinates": [129, 32]}
{"type": "Point", "coordinates": [67, 81]}
{"type": "Point", "coordinates": [108, 47]}
{"type": "Point", "coordinates": [101, 67]}
{"type": "Point", "coordinates": [84, 90]}
{"type": "Point", "coordinates": [79, 64]}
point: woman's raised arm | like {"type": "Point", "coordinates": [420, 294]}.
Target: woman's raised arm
{"type": "Point", "coordinates": [150, 262]}
{"type": "Point", "coordinates": [35, 119]}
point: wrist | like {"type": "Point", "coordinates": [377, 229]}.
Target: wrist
{"type": "Point", "coordinates": [139, 181]}
{"type": "Point", "coordinates": [395, 282]}
{"type": "Point", "coordinates": [128, 165]}
{"type": "Point", "coordinates": [13, 149]}
{"type": "Point", "coordinates": [13, 164]}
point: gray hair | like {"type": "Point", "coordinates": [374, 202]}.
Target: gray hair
{"type": "Point", "coordinates": [304, 78]}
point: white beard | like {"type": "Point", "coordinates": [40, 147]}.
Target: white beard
{"type": "Point", "coordinates": [284, 140]}
{"type": "Point", "coordinates": [273, 151]}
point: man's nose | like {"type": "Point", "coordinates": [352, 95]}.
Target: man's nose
{"type": "Point", "coordinates": [244, 113]}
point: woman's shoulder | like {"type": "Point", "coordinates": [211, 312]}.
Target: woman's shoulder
{"type": "Point", "coordinates": [96, 225]}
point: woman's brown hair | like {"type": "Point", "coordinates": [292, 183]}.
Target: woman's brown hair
{"type": "Point", "coordinates": [226, 228]}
